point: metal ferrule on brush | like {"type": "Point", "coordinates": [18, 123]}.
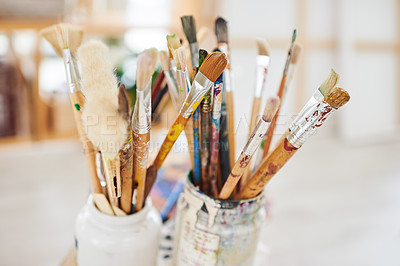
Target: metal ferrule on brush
{"type": "Point", "coordinates": [310, 118]}
{"type": "Point", "coordinates": [142, 113]}
{"type": "Point", "coordinates": [201, 84]}
{"type": "Point", "coordinates": [182, 84]}
{"type": "Point", "coordinates": [256, 137]}
{"type": "Point", "coordinates": [70, 71]}
{"type": "Point", "coordinates": [261, 74]}
{"type": "Point", "coordinates": [194, 54]}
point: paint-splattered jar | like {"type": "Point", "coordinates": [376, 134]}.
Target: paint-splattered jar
{"type": "Point", "coordinates": [104, 240]}
{"type": "Point", "coordinates": [216, 232]}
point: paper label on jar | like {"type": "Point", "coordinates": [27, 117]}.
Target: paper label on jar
{"type": "Point", "coordinates": [198, 247]}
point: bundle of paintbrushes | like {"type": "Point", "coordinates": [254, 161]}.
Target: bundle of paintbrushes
{"type": "Point", "coordinates": [210, 131]}
{"type": "Point", "coordinates": [115, 138]}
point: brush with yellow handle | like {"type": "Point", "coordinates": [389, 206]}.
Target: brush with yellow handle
{"type": "Point", "coordinates": [325, 101]}
{"type": "Point", "coordinates": [208, 73]}
{"type": "Point", "coordinates": [65, 39]}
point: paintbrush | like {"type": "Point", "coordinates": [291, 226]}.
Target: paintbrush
{"type": "Point", "coordinates": [173, 43]}
{"type": "Point", "coordinates": [325, 101]}
{"type": "Point", "coordinates": [171, 81]}
{"type": "Point", "coordinates": [196, 139]}
{"type": "Point", "coordinates": [209, 71]}
{"type": "Point", "coordinates": [72, 34]}
{"type": "Point", "coordinates": [156, 88]}
{"type": "Point", "coordinates": [181, 73]}
{"type": "Point", "coordinates": [221, 31]}
{"type": "Point", "coordinates": [189, 28]}
{"type": "Point", "coordinates": [262, 64]}
{"type": "Point", "coordinates": [141, 120]}
{"type": "Point", "coordinates": [105, 125]}
{"type": "Point", "coordinates": [126, 154]}
{"type": "Point", "coordinates": [251, 147]}
{"type": "Point", "coordinates": [66, 38]}
{"type": "Point", "coordinates": [292, 67]}
{"type": "Point", "coordinates": [205, 122]}
{"type": "Point", "coordinates": [214, 150]}
{"type": "Point", "coordinates": [183, 84]}
{"type": "Point", "coordinates": [224, 161]}
{"type": "Point", "coordinates": [282, 86]}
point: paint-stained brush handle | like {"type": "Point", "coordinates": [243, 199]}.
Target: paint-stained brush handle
{"type": "Point", "coordinates": [268, 168]}
{"type": "Point", "coordinates": [169, 141]}
{"type": "Point", "coordinates": [126, 169]}
{"type": "Point", "coordinates": [140, 156]}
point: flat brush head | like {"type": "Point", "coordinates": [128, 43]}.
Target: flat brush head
{"type": "Point", "coordinates": [296, 53]}
{"type": "Point", "coordinates": [189, 28]}
{"type": "Point", "coordinates": [164, 60]}
{"type": "Point", "coordinates": [173, 43]}
{"type": "Point", "coordinates": [180, 58]}
{"type": "Point", "coordinates": [146, 65]}
{"type": "Point", "coordinates": [271, 107]}
{"type": "Point", "coordinates": [213, 65]}
{"type": "Point", "coordinates": [105, 125]}
{"type": "Point", "coordinates": [221, 30]}
{"type": "Point", "coordinates": [329, 83]}
{"type": "Point", "coordinates": [263, 47]}
{"type": "Point", "coordinates": [62, 36]}
{"type": "Point", "coordinates": [337, 97]}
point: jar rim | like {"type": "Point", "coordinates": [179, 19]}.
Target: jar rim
{"type": "Point", "coordinates": [130, 218]}
{"type": "Point", "coordinates": [221, 203]}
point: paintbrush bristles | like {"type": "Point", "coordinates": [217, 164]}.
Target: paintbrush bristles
{"type": "Point", "coordinates": [180, 58]}
{"type": "Point", "coordinates": [263, 47]}
{"type": "Point", "coordinates": [189, 28]}
{"type": "Point", "coordinates": [164, 60]}
{"type": "Point", "coordinates": [270, 109]}
{"type": "Point", "coordinates": [329, 83]}
{"type": "Point", "coordinates": [296, 53]}
{"type": "Point", "coordinates": [214, 65]}
{"type": "Point", "coordinates": [146, 65]}
{"type": "Point", "coordinates": [173, 43]}
{"type": "Point", "coordinates": [104, 124]}
{"type": "Point", "coordinates": [337, 97]}
{"type": "Point", "coordinates": [221, 30]}
{"type": "Point", "coordinates": [62, 36]}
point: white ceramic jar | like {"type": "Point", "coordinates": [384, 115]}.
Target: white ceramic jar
{"type": "Point", "coordinates": [216, 232]}
{"type": "Point", "coordinates": [105, 240]}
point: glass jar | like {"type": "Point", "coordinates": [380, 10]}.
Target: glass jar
{"type": "Point", "coordinates": [216, 232]}
{"type": "Point", "coordinates": [106, 240]}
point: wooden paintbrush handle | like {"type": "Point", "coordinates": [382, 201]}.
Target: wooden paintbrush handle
{"type": "Point", "coordinates": [271, 129]}
{"type": "Point", "coordinates": [255, 110]}
{"type": "Point", "coordinates": [126, 169]}
{"type": "Point", "coordinates": [78, 101]}
{"type": "Point", "coordinates": [140, 156]}
{"type": "Point", "coordinates": [231, 126]}
{"type": "Point", "coordinates": [173, 134]}
{"type": "Point", "coordinates": [234, 176]}
{"type": "Point", "coordinates": [268, 168]}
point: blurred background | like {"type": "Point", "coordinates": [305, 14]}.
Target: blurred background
{"type": "Point", "coordinates": [335, 203]}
